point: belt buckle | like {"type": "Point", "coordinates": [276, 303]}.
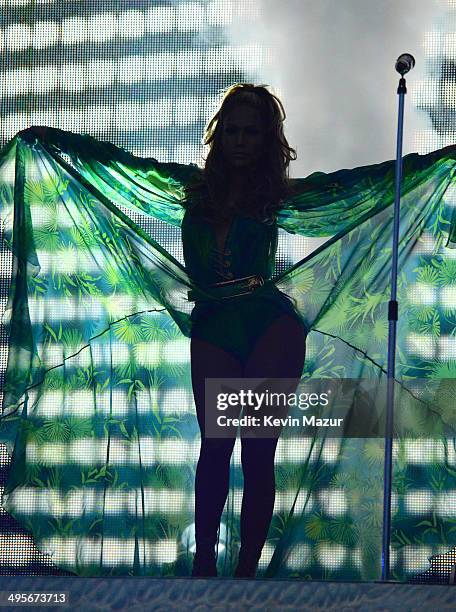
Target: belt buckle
{"type": "Point", "coordinates": [255, 281]}
{"type": "Point", "coordinates": [250, 283]}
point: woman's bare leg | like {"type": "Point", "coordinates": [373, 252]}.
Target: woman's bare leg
{"type": "Point", "coordinates": [213, 469]}
{"type": "Point", "coordinates": [278, 353]}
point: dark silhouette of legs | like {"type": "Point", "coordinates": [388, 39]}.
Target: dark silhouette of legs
{"type": "Point", "coordinates": [257, 501]}
{"type": "Point", "coordinates": [212, 472]}
{"type": "Point", "coordinates": [278, 353]}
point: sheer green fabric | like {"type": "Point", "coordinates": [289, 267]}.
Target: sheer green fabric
{"type": "Point", "coordinates": [103, 465]}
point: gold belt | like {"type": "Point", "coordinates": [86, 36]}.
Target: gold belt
{"type": "Point", "coordinates": [228, 289]}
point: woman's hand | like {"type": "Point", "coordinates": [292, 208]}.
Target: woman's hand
{"type": "Point", "coordinates": [35, 132]}
{"type": "Point", "coordinates": [449, 150]}
{"type": "Point", "coordinates": [39, 131]}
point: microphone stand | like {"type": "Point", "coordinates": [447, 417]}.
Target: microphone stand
{"type": "Point", "coordinates": [402, 68]}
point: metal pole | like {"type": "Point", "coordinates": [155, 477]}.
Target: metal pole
{"type": "Point", "coordinates": [392, 324]}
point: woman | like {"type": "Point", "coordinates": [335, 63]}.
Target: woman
{"type": "Point", "coordinates": [340, 291]}
{"type": "Point", "coordinates": [254, 334]}
{"type": "Point", "coordinates": [229, 232]}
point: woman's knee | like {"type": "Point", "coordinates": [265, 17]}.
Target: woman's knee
{"type": "Point", "coordinates": [258, 451]}
{"type": "Point", "coordinates": [216, 449]}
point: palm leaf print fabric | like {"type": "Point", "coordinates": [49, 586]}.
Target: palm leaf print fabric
{"type": "Point", "coordinates": [102, 462]}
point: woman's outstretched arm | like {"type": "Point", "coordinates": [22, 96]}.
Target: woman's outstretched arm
{"type": "Point", "coordinates": [324, 204]}
{"type": "Point", "coordinates": [139, 183]}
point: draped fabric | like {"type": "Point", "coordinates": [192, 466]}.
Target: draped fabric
{"type": "Point", "coordinates": [98, 321]}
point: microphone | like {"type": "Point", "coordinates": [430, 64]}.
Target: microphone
{"type": "Point", "coordinates": [405, 63]}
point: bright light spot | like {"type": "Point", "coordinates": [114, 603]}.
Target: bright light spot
{"type": "Point", "coordinates": [74, 30]}
{"type": "Point", "coordinates": [266, 556]}
{"type": "Point", "coordinates": [286, 499]}
{"type": "Point", "coordinates": [448, 94]}
{"type": "Point", "coordinates": [449, 45]}
{"type": "Point", "coordinates": [422, 345]}
{"type": "Point", "coordinates": [130, 69]}
{"type": "Point", "coordinates": [160, 19]}
{"type": "Point", "coordinates": [356, 558]}
{"type": "Point", "coordinates": [248, 58]}
{"type": "Point", "coordinates": [190, 16]}
{"type": "Point", "coordinates": [218, 59]}
{"type": "Point", "coordinates": [172, 452]}
{"type": "Point", "coordinates": [423, 452]}
{"type": "Point", "coordinates": [163, 501]}
{"type": "Point", "coordinates": [52, 453]}
{"type": "Point", "coordinates": [293, 451]}
{"type": "Point", "coordinates": [299, 557]}
{"type": "Point", "coordinates": [447, 347]}
{"type": "Point", "coordinates": [189, 62]}
{"type": "Point", "coordinates": [72, 76]}
{"type": "Point", "coordinates": [422, 293]}
{"type": "Point", "coordinates": [118, 451]}
{"type": "Point", "coordinates": [418, 502]}
{"type": "Point", "coordinates": [50, 404]}
{"type": "Point", "coordinates": [80, 403]}
{"type": "Point", "coordinates": [45, 78]}
{"type": "Point", "coordinates": [86, 451]}
{"type": "Point", "coordinates": [425, 92]}
{"type": "Point", "coordinates": [158, 113]}
{"type": "Point", "coordinates": [432, 43]}
{"type": "Point", "coordinates": [449, 197]}
{"type": "Point", "coordinates": [102, 26]}
{"type": "Point", "coordinates": [176, 351]}
{"type": "Point", "coordinates": [185, 152]}
{"type": "Point", "coordinates": [129, 115]}
{"type": "Point", "coordinates": [148, 446]}
{"type": "Point", "coordinates": [54, 308]}
{"type": "Point", "coordinates": [331, 556]}
{"type": "Point", "coordinates": [330, 451]}
{"type": "Point", "coordinates": [145, 399]}
{"type": "Point", "coordinates": [448, 296]}
{"type": "Point", "coordinates": [426, 141]}
{"type": "Point", "coordinates": [445, 503]}
{"type": "Point", "coordinates": [186, 110]}
{"type": "Point", "coordinates": [99, 73]}
{"type": "Point", "coordinates": [18, 36]}
{"type": "Point", "coordinates": [16, 550]}
{"type": "Point", "coordinates": [165, 551]}
{"type": "Point", "coordinates": [91, 552]}
{"type": "Point", "coordinates": [15, 82]}
{"type": "Point", "coordinates": [176, 401]}
{"type": "Point", "coordinates": [119, 306]}
{"type": "Point", "coordinates": [416, 558]}
{"type": "Point", "coordinates": [333, 501]}
{"type": "Point", "coordinates": [219, 12]}
{"type": "Point", "coordinates": [116, 501]}
{"type": "Point", "coordinates": [147, 353]}
{"type": "Point", "coordinates": [131, 24]}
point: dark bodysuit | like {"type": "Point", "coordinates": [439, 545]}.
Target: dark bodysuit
{"type": "Point", "coordinates": [250, 248]}
{"type": "Point", "coordinates": [237, 326]}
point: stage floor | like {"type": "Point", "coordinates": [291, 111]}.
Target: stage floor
{"type": "Point", "coordinates": [228, 594]}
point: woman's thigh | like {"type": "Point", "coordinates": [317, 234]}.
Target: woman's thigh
{"type": "Point", "coordinates": [209, 360]}
{"type": "Point", "coordinates": [279, 351]}
{"type": "Point", "coordinates": [278, 356]}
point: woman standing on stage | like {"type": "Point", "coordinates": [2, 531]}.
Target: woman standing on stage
{"type": "Point", "coordinates": [229, 233]}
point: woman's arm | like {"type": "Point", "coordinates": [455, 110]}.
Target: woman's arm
{"type": "Point", "coordinates": [139, 183]}
{"type": "Point", "coordinates": [324, 204]}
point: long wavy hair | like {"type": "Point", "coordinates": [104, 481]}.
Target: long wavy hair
{"type": "Point", "coordinates": [268, 183]}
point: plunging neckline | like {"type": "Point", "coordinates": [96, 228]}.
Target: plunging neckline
{"type": "Point", "coordinates": [227, 236]}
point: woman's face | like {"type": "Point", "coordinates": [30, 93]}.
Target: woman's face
{"type": "Point", "coordinates": [242, 136]}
